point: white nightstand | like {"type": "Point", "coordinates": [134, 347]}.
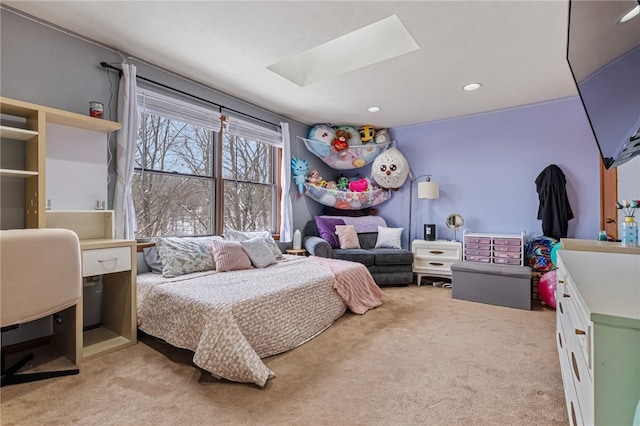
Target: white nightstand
{"type": "Point", "coordinates": [434, 258]}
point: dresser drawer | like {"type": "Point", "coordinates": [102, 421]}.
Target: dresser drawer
{"type": "Point", "coordinates": [507, 242]}
{"type": "Point", "coordinates": [475, 246]}
{"type": "Point", "coordinates": [507, 254]}
{"type": "Point", "coordinates": [477, 240]}
{"type": "Point", "coordinates": [482, 259]}
{"type": "Point", "coordinates": [475, 252]}
{"type": "Point", "coordinates": [510, 249]}
{"type": "Point", "coordinates": [571, 396]}
{"type": "Point", "coordinates": [506, 261]}
{"type": "Point", "coordinates": [106, 261]}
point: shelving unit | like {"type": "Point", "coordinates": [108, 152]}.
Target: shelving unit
{"type": "Point", "coordinates": [505, 249]}
{"type": "Point", "coordinates": [113, 259]}
{"type": "Point", "coordinates": [26, 123]}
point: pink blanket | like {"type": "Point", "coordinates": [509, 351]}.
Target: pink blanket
{"type": "Point", "coordinates": [353, 282]}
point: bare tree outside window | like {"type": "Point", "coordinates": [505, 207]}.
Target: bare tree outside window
{"type": "Point", "coordinates": [174, 182]}
{"type": "Point", "coordinates": [249, 189]}
{"type": "Point", "coordinates": [173, 185]}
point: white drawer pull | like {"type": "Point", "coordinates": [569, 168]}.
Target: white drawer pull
{"type": "Point", "coordinates": [111, 259]}
{"type": "Point", "coordinates": [436, 252]}
{"type": "Point", "coordinates": [436, 263]}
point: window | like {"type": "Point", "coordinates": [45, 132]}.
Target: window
{"type": "Point", "coordinates": [249, 188]}
{"type": "Point", "coordinates": [174, 184]}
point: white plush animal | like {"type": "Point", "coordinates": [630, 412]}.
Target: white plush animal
{"type": "Point", "coordinates": [390, 169]}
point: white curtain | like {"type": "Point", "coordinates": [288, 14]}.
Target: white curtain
{"type": "Point", "coordinates": [158, 104]}
{"type": "Point", "coordinates": [244, 129]}
{"type": "Point", "coordinates": [286, 209]}
{"type": "Point", "coordinates": [125, 215]}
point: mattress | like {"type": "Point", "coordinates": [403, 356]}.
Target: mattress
{"type": "Point", "coordinates": [231, 320]}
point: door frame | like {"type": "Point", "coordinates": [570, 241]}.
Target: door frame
{"type": "Point", "coordinates": [608, 198]}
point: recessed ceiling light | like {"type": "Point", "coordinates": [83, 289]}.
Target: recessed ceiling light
{"type": "Point", "coordinates": [374, 109]}
{"type": "Point", "coordinates": [631, 14]}
{"type": "Point", "coordinates": [472, 86]}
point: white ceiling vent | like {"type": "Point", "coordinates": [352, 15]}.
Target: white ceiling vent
{"type": "Point", "coordinates": [366, 46]}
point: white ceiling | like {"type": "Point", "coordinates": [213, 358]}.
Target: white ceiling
{"type": "Point", "coordinates": [516, 49]}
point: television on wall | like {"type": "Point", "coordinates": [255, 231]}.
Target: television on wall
{"type": "Point", "coordinates": [604, 57]}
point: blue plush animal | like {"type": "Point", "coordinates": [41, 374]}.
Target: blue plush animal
{"type": "Point", "coordinates": [299, 169]}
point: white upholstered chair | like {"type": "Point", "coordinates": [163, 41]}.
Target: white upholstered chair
{"type": "Point", "coordinates": [41, 275]}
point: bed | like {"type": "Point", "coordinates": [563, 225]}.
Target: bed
{"type": "Point", "coordinates": [231, 320]}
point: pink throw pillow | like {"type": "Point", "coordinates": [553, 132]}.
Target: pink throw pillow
{"type": "Point", "coordinates": [347, 236]}
{"type": "Point", "coordinates": [229, 256]}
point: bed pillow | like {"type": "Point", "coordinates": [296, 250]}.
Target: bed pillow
{"type": "Point", "coordinates": [152, 258]}
{"type": "Point", "coordinates": [184, 255]}
{"type": "Point", "coordinates": [389, 237]}
{"type": "Point", "coordinates": [347, 236]}
{"type": "Point", "coordinates": [327, 229]}
{"type": "Point", "coordinates": [233, 235]}
{"type": "Point", "coordinates": [230, 256]}
{"type": "Point", "coordinates": [259, 252]}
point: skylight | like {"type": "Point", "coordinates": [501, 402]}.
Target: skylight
{"type": "Point", "coordinates": [376, 42]}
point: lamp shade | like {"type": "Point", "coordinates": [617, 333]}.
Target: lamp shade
{"type": "Point", "coordinates": [429, 190]}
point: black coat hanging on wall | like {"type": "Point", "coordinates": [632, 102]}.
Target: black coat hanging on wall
{"type": "Point", "coordinates": [554, 209]}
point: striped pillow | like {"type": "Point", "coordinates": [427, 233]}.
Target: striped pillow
{"type": "Point", "coordinates": [229, 256]}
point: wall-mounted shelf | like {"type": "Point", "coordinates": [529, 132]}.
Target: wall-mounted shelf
{"type": "Point", "coordinates": [27, 122]}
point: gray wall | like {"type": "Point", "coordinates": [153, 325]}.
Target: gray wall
{"type": "Point", "coordinates": [50, 67]}
{"type": "Point", "coordinates": [53, 68]}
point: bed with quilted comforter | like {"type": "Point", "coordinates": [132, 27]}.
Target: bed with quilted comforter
{"type": "Point", "coordinates": [231, 320]}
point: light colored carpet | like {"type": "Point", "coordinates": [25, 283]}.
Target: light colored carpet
{"type": "Point", "coordinates": [421, 358]}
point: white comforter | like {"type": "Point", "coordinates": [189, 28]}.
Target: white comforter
{"type": "Point", "coordinates": [233, 319]}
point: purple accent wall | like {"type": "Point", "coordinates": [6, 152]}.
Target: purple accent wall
{"type": "Point", "coordinates": [487, 165]}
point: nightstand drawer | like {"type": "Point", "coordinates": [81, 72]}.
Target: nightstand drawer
{"type": "Point", "coordinates": [430, 264]}
{"type": "Point", "coordinates": [106, 261]}
{"type": "Point", "coordinates": [433, 253]}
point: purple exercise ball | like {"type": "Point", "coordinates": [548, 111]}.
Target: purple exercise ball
{"type": "Point", "coordinates": [547, 288]}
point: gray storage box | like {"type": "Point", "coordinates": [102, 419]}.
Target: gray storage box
{"type": "Point", "coordinates": [502, 285]}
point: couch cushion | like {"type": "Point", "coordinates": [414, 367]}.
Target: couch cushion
{"type": "Point", "coordinates": [354, 255]}
{"type": "Point", "coordinates": [347, 237]}
{"type": "Point", "coordinates": [327, 229]}
{"type": "Point", "coordinates": [367, 239]}
{"type": "Point", "coordinates": [390, 269]}
{"type": "Point", "coordinates": [388, 256]}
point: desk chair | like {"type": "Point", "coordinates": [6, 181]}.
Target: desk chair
{"type": "Point", "coordinates": [41, 275]}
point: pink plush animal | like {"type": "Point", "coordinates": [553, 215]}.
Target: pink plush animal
{"type": "Point", "coordinates": [359, 185]}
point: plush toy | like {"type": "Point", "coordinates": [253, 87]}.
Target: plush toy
{"type": "Point", "coordinates": [343, 183]}
{"type": "Point", "coordinates": [355, 135]}
{"type": "Point", "coordinates": [390, 169]}
{"type": "Point", "coordinates": [366, 133]}
{"type": "Point", "coordinates": [382, 136]}
{"type": "Point", "coordinates": [299, 169]}
{"type": "Point", "coordinates": [324, 134]}
{"type": "Point", "coordinates": [314, 177]}
{"type": "Point", "coordinates": [341, 142]}
{"type": "Point", "coordinates": [359, 185]}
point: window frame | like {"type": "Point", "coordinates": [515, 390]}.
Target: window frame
{"type": "Point", "coordinates": [215, 174]}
